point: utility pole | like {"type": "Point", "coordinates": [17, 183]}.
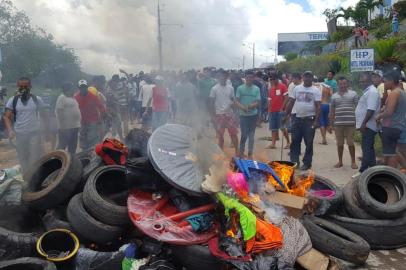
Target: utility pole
{"type": "Point", "coordinates": [253, 55]}
{"type": "Point", "coordinates": [159, 39]}
{"type": "Point", "coordinates": [243, 62]}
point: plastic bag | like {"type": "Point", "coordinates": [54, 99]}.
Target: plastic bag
{"type": "Point", "coordinates": [89, 259]}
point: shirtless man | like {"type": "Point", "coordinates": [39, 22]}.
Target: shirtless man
{"type": "Point", "coordinates": [326, 93]}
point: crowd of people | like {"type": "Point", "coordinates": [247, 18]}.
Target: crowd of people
{"type": "Point", "coordinates": [294, 106]}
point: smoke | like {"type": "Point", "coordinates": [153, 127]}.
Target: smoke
{"type": "Point", "coordinates": [109, 34]}
{"type": "Point", "coordinates": [112, 34]}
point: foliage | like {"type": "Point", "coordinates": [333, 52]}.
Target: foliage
{"type": "Point", "coordinates": [330, 14]}
{"type": "Point", "coordinates": [29, 51]}
{"type": "Point", "coordinates": [370, 5]}
{"type": "Point", "coordinates": [335, 65]}
{"type": "Point", "coordinates": [360, 15]}
{"type": "Point", "coordinates": [383, 30]}
{"type": "Point", "coordinates": [346, 14]}
{"type": "Point", "coordinates": [290, 56]}
{"type": "Point", "coordinates": [385, 50]}
{"type": "Point", "coordinates": [342, 33]}
{"type": "Point", "coordinates": [401, 9]}
{"type": "Point", "coordinates": [318, 64]}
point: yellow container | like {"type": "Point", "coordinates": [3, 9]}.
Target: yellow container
{"type": "Point", "coordinates": [58, 245]}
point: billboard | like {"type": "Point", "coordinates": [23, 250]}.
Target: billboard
{"type": "Point", "coordinates": [296, 42]}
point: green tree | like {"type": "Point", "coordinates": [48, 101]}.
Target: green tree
{"type": "Point", "coordinates": [32, 52]}
{"type": "Point", "coordinates": [346, 14]}
{"type": "Point", "coordinates": [369, 5]}
{"type": "Point", "coordinates": [290, 56]}
{"type": "Point", "coordinates": [360, 14]}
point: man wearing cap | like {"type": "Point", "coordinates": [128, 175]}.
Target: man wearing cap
{"type": "Point", "coordinates": [307, 99]}
{"type": "Point", "coordinates": [22, 121]}
{"type": "Point", "coordinates": [92, 110]}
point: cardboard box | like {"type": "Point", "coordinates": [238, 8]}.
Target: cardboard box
{"type": "Point", "coordinates": [313, 260]}
{"type": "Point", "coordinates": [293, 204]}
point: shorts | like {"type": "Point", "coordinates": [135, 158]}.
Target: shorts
{"type": "Point", "coordinates": [390, 137]}
{"type": "Point", "coordinates": [402, 139]}
{"type": "Point", "coordinates": [324, 112]}
{"type": "Point", "coordinates": [275, 121]}
{"type": "Point", "coordinates": [226, 121]}
{"type": "Point", "coordinates": [344, 132]}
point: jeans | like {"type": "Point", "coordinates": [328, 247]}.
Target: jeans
{"type": "Point", "coordinates": [368, 150]}
{"type": "Point", "coordinates": [90, 135]}
{"type": "Point", "coordinates": [68, 138]}
{"type": "Point", "coordinates": [302, 130]}
{"type": "Point", "coordinates": [248, 124]}
{"type": "Point", "coordinates": [159, 119]}
{"type": "Point", "coordinates": [29, 148]}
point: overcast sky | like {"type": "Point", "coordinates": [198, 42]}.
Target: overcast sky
{"type": "Point", "coordinates": [112, 34]}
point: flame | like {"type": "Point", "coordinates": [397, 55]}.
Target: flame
{"type": "Point", "coordinates": [285, 173]}
{"type": "Point", "coordinates": [303, 184]}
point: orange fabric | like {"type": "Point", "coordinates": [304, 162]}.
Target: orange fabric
{"type": "Point", "coordinates": [267, 237]}
{"type": "Point", "coordinates": [109, 146]}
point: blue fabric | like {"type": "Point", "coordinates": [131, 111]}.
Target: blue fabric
{"type": "Point", "coordinates": [395, 27]}
{"type": "Point", "coordinates": [275, 121]}
{"type": "Point", "coordinates": [402, 139]}
{"type": "Point", "coordinates": [324, 112]}
{"type": "Point", "coordinates": [248, 124]}
{"type": "Point", "coordinates": [200, 222]}
{"type": "Point", "coordinates": [131, 251]}
{"type": "Point", "coordinates": [368, 150]}
{"type": "Point", "coordinates": [302, 130]}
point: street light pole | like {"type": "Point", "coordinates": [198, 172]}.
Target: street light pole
{"type": "Point", "coordinates": [243, 62]}
{"type": "Point", "coordinates": [253, 55]}
{"type": "Point", "coordinates": [159, 39]}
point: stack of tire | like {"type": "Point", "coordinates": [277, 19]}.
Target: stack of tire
{"type": "Point", "coordinates": [62, 191]}
{"type": "Point", "coordinates": [99, 214]}
{"type": "Point", "coordinates": [375, 208]}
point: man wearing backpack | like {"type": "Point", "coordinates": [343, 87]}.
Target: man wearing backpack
{"type": "Point", "coordinates": [22, 121]}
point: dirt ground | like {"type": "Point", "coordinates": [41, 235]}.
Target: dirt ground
{"type": "Point", "coordinates": [325, 156]}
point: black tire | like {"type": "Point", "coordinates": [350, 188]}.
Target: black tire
{"type": "Point", "coordinates": [381, 190]}
{"type": "Point", "coordinates": [137, 143]}
{"type": "Point", "coordinates": [195, 257]}
{"type": "Point", "coordinates": [88, 227]}
{"type": "Point", "coordinates": [56, 219]}
{"type": "Point", "coordinates": [351, 204]}
{"type": "Point", "coordinates": [60, 189]}
{"type": "Point", "coordinates": [97, 260]}
{"type": "Point", "coordinates": [379, 233]}
{"type": "Point", "coordinates": [16, 245]}
{"type": "Point", "coordinates": [90, 162]}
{"type": "Point", "coordinates": [27, 263]}
{"type": "Point", "coordinates": [325, 205]}
{"type": "Point", "coordinates": [105, 195]}
{"type": "Point", "coordinates": [336, 241]}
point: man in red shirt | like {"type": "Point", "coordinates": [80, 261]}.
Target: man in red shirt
{"type": "Point", "coordinates": [160, 103]}
{"type": "Point", "coordinates": [92, 111]}
{"type": "Point", "coordinates": [277, 95]}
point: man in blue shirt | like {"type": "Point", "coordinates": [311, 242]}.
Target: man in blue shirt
{"type": "Point", "coordinates": [248, 98]}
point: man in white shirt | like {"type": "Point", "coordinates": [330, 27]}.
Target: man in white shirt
{"type": "Point", "coordinates": [307, 99]}
{"type": "Point", "coordinates": [145, 96]}
{"type": "Point", "coordinates": [365, 116]}
{"type": "Point", "coordinates": [68, 119]}
{"type": "Point", "coordinates": [221, 104]}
